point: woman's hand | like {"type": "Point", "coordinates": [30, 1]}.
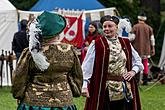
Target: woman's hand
{"type": "Point", "coordinates": [86, 48]}
{"type": "Point", "coordinates": [85, 92]}
{"type": "Point", "coordinates": [128, 76]}
{"type": "Point", "coordinates": [87, 43]}
{"type": "Point", "coordinates": [17, 101]}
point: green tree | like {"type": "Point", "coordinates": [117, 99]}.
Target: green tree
{"type": "Point", "coordinates": [125, 7]}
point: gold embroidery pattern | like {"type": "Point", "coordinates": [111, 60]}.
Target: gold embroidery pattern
{"type": "Point", "coordinates": [116, 68]}
{"type": "Point", "coordinates": [51, 87]}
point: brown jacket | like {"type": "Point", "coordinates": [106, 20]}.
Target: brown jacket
{"type": "Point", "coordinates": [142, 42]}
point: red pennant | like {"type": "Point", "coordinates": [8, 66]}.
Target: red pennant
{"type": "Point", "coordinates": [74, 31]}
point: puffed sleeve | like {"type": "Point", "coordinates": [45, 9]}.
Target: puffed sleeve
{"type": "Point", "coordinates": [137, 65]}
{"type": "Point", "coordinates": [20, 75]}
{"type": "Point", "coordinates": [88, 63]}
{"type": "Point", "coordinates": [75, 77]}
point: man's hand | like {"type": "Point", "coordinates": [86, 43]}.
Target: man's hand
{"type": "Point", "coordinates": [153, 52]}
{"type": "Point", "coordinates": [85, 92]}
{"type": "Point", "coordinates": [128, 76]}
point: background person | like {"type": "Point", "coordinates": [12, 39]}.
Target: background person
{"type": "Point", "coordinates": [144, 42]}
{"type": "Point", "coordinates": [20, 39]}
{"type": "Point", "coordinates": [91, 35]}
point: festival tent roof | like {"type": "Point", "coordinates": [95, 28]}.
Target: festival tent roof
{"type": "Point", "coordinates": [50, 5]}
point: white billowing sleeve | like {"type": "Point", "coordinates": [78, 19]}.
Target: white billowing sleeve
{"type": "Point", "coordinates": [152, 40]}
{"type": "Point", "coordinates": [131, 36]}
{"type": "Point", "coordinates": [137, 65]}
{"type": "Point", "coordinates": [88, 64]}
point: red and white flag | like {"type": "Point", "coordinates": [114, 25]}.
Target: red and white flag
{"type": "Point", "coordinates": [73, 33]}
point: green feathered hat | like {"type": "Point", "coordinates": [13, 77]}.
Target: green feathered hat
{"type": "Point", "coordinates": [51, 24]}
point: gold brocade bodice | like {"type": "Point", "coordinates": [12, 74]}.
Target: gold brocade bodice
{"type": "Point", "coordinates": [117, 67]}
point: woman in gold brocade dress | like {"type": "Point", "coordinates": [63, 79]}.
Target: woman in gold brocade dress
{"type": "Point", "coordinates": [48, 74]}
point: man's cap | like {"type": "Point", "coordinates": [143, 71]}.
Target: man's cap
{"type": "Point", "coordinates": [51, 24]}
{"type": "Point", "coordinates": [142, 16]}
{"type": "Point", "coordinates": [114, 19]}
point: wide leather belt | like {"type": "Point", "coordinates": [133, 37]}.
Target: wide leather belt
{"type": "Point", "coordinates": [115, 78]}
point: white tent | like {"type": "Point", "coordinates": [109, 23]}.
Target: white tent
{"type": "Point", "coordinates": [162, 57]}
{"type": "Point", "coordinates": [8, 26]}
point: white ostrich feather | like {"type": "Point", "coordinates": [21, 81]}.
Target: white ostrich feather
{"type": "Point", "coordinates": [38, 56]}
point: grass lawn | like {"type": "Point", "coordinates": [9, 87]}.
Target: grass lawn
{"type": "Point", "coordinates": [152, 99]}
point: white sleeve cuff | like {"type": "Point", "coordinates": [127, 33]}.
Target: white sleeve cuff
{"type": "Point", "coordinates": [152, 40]}
{"type": "Point", "coordinates": [131, 36]}
{"type": "Point", "coordinates": [85, 84]}
{"type": "Point", "coordinates": [136, 69]}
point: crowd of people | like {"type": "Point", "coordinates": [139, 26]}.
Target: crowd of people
{"type": "Point", "coordinates": [49, 73]}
